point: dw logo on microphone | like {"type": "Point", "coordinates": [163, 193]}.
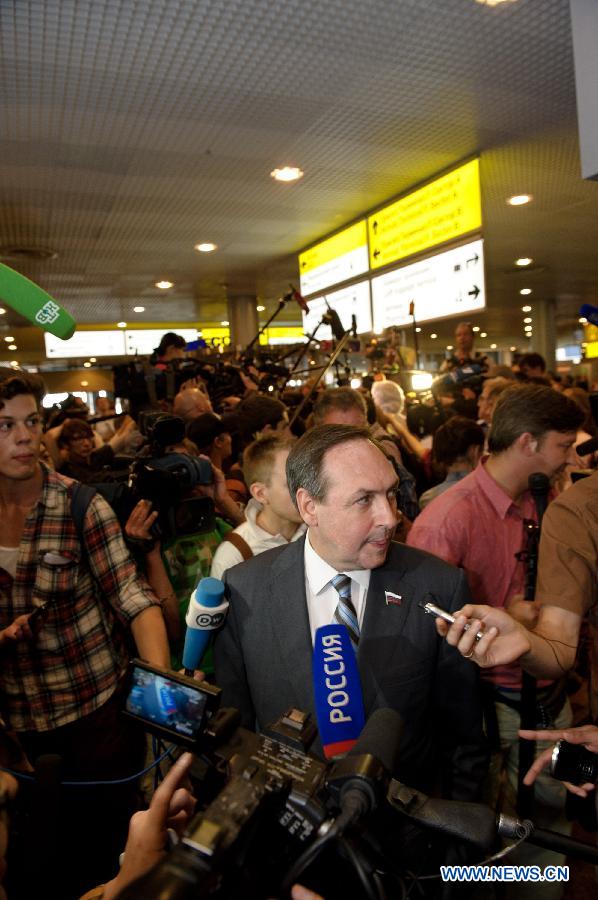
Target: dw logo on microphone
{"type": "Point", "coordinates": [205, 620]}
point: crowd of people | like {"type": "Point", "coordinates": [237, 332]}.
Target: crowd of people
{"type": "Point", "coordinates": [290, 503]}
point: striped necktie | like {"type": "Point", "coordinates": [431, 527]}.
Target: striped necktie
{"type": "Point", "coordinates": [345, 613]}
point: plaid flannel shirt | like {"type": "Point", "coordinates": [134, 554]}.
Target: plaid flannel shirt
{"type": "Point", "coordinates": [79, 653]}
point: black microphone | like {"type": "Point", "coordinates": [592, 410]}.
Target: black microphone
{"type": "Point", "coordinates": [539, 486]}
{"type": "Point", "coordinates": [359, 781]}
{"type": "Point", "coordinates": [354, 325]}
{"type": "Point", "coordinates": [589, 446]}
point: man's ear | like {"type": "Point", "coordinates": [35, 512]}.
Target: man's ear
{"type": "Point", "coordinates": [307, 507]}
{"type": "Point", "coordinates": [259, 491]}
{"type": "Point", "coordinates": [527, 443]}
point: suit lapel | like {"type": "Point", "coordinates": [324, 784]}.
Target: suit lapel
{"type": "Point", "coordinates": [290, 622]}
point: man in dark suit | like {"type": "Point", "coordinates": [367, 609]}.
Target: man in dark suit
{"type": "Point", "coordinates": [345, 490]}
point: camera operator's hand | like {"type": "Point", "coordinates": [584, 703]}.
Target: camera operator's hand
{"type": "Point", "coordinates": [171, 807]}
{"type": "Point", "coordinates": [139, 523]}
{"type": "Point", "coordinates": [220, 495]}
{"type": "Point", "coordinates": [298, 892]}
{"type": "Point", "coordinates": [586, 735]}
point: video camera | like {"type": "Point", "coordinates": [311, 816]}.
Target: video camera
{"type": "Point", "coordinates": [260, 792]}
{"type": "Point", "coordinates": [164, 478]}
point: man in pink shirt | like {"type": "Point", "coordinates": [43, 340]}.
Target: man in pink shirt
{"type": "Point", "coordinates": [479, 524]}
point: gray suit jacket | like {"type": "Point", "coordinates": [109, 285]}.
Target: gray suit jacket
{"type": "Point", "coordinates": [263, 660]}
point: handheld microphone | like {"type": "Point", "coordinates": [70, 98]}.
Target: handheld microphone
{"type": "Point", "coordinates": [32, 302]}
{"type": "Point", "coordinates": [539, 486]}
{"type": "Point", "coordinates": [337, 690]}
{"type": "Point", "coordinates": [205, 614]}
{"type": "Point", "coordinates": [590, 313]}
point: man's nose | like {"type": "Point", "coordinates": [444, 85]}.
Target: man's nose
{"type": "Point", "coordinates": [22, 432]}
{"type": "Point", "coordinates": [387, 512]}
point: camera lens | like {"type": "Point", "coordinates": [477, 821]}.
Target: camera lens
{"type": "Point", "coordinates": [575, 764]}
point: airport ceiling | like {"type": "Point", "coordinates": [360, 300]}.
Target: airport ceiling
{"type": "Point", "coordinates": [131, 130]}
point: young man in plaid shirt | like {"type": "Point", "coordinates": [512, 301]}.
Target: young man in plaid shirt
{"type": "Point", "coordinates": [61, 672]}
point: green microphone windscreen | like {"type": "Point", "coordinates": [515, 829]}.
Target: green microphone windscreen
{"type": "Point", "coordinates": [32, 302]}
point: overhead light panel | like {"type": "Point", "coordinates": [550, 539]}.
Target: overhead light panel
{"type": "Point", "coordinates": [494, 2]}
{"type": "Point", "coordinates": [520, 199]}
{"type": "Point", "coordinates": [164, 285]}
{"type": "Point", "coordinates": [9, 339]}
{"type": "Point", "coordinates": [582, 321]}
{"type": "Point", "coordinates": [260, 308]}
{"type": "Point", "coordinates": [524, 261]}
{"type": "Point", "coordinates": [225, 322]}
{"type": "Point", "coordinates": [92, 359]}
{"type": "Point", "coordinates": [2, 310]}
{"type": "Point", "coordinates": [449, 347]}
{"type": "Point", "coordinates": [206, 247]}
{"type": "Point", "coordinates": [121, 324]}
{"type": "Point", "coordinates": [527, 320]}
{"type": "Point", "coordinates": [476, 328]}
{"type": "Point", "coordinates": [525, 291]}
{"type": "Point", "coordinates": [433, 335]}
{"type": "Point", "coordinates": [87, 365]}
{"type": "Point", "coordinates": [526, 309]}
{"type": "Point", "coordinates": [139, 309]}
{"type": "Point", "coordinates": [493, 346]}
{"type": "Point", "coordinates": [483, 334]}
{"type": "Point", "coordinates": [287, 173]}
{"type": "Point", "coordinates": [12, 347]}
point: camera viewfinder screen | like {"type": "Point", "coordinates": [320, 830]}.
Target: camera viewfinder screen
{"type": "Point", "coordinates": [170, 704]}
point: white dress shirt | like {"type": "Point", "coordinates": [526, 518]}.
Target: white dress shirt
{"type": "Point", "coordinates": [322, 597]}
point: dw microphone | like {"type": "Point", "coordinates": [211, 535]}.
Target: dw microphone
{"type": "Point", "coordinates": [205, 614]}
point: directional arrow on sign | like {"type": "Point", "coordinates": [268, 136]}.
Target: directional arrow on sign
{"type": "Point", "coordinates": [376, 254]}
{"type": "Point", "coordinates": [474, 293]}
{"type": "Point", "coordinates": [473, 260]}
{"type": "Point", "coordinates": [375, 226]}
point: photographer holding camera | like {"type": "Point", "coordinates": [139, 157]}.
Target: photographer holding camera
{"type": "Point", "coordinates": [68, 603]}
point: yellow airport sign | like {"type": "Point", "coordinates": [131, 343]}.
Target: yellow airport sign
{"type": "Point", "coordinates": [338, 258]}
{"type": "Point", "coordinates": [440, 211]}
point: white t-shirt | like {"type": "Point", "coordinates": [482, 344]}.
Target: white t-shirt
{"type": "Point", "coordinates": [227, 555]}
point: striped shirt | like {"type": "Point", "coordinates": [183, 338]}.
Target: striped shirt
{"type": "Point", "coordinates": [79, 652]}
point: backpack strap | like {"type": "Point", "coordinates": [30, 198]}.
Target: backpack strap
{"type": "Point", "coordinates": [237, 541]}
{"type": "Point", "coordinates": [81, 497]}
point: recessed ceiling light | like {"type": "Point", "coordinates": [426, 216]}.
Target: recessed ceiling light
{"type": "Point", "coordinates": [520, 199]}
{"type": "Point", "coordinates": [206, 247]}
{"type": "Point", "coordinates": [418, 329]}
{"type": "Point", "coordinates": [121, 324]}
{"type": "Point", "coordinates": [84, 383]}
{"type": "Point", "coordinates": [528, 328]}
{"type": "Point", "coordinates": [9, 339]}
{"type": "Point", "coordinates": [164, 285]}
{"type": "Point", "coordinates": [225, 322]}
{"type": "Point", "coordinates": [527, 320]}
{"type": "Point", "coordinates": [287, 173]}
{"type": "Point", "coordinates": [139, 309]}
{"type": "Point", "coordinates": [476, 328]}
{"type": "Point", "coordinates": [493, 346]}
{"type": "Point", "coordinates": [87, 365]}
{"type": "Point", "coordinates": [526, 309]}
{"type": "Point", "coordinates": [582, 321]}
{"type": "Point", "coordinates": [449, 346]}
{"type": "Point", "coordinates": [2, 310]}
{"type": "Point", "coordinates": [260, 308]}
{"type": "Point", "coordinates": [494, 2]}
{"type": "Point", "coordinates": [433, 335]}
{"type": "Point", "coordinates": [512, 349]}
{"type": "Point", "coordinates": [92, 359]}
{"type": "Point", "coordinates": [525, 291]}
{"type": "Point", "coordinates": [524, 261]}
{"type": "Point", "coordinates": [483, 334]}
{"type": "Point", "coordinates": [12, 346]}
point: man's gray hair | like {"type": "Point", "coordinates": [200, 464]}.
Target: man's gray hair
{"type": "Point", "coordinates": [305, 463]}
